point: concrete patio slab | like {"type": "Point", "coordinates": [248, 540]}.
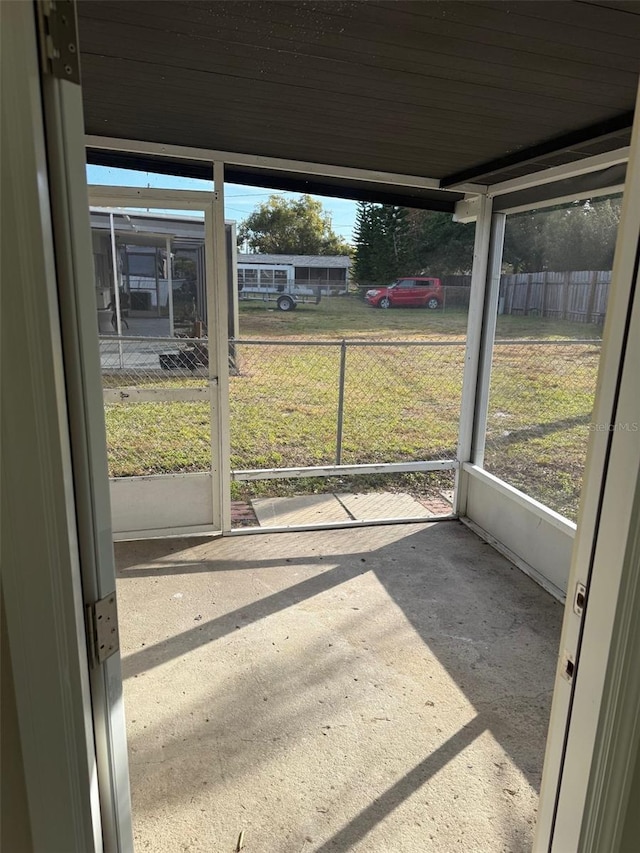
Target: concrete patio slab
{"type": "Point", "coordinates": [381, 690]}
{"type": "Point", "coordinates": [376, 505]}
{"type": "Point", "coordinates": [298, 511]}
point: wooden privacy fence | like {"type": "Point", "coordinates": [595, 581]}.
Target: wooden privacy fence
{"type": "Point", "coordinates": [579, 295]}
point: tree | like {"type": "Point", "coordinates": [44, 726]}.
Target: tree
{"type": "Point", "coordinates": [364, 238]}
{"type": "Point", "coordinates": [380, 241]}
{"type": "Point", "coordinates": [579, 237]}
{"type": "Point", "coordinates": [291, 227]}
{"type": "Point", "coordinates": [438, 245]}
{"type": "Point", "coordinates": [396, 241]}
{"type": "Point", "coordinates": [393, 241]}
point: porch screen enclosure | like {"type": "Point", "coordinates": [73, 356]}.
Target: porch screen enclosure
{"type": "Point", "coordinates": [202, 424]}
{"type": "Point", "coordinates": [160, 261]}
{"type": "Point", "coordinates": [211, 428]}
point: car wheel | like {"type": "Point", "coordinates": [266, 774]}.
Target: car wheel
{"type": "Point", "coordinates": [385, 302]}
{"type": "Point", "coordinates": [433, 303]}
{"type": "Point", "coordinates": [286, 303]}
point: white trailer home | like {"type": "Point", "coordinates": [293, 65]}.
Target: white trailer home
{"type": "Point", "coordinates": [289, 280]}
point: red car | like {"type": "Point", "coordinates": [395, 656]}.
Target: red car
{"type": "Point", "coordinates": [414, 292]}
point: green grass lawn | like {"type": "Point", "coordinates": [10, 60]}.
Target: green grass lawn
{"type": "Point", "coordinates": [538, 420]}
{"type": "Point", "coordinates": [350, 317]}
{"type": "Point", "coordinates": [400, 403]}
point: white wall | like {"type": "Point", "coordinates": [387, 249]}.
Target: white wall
{"type": "Point", "coordinates": [540, 540]}
{"type": "Point", "coordinates": [161, 505]}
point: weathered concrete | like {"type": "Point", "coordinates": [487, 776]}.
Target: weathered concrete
{"type": "Point", "coordinates": [382, 689]}
{"type": "Point", "coordinates": [299, 510]}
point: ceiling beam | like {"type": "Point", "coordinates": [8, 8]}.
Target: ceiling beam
{"type": "Point", "coordinates": [559, 173]}
{"type": "Point", "coordinates": [154, 149]}
{"type": "Point", "coordinates": [591, 134]}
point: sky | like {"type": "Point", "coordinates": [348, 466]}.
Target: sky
{"type": "Point", "coordinates": [239, 200]}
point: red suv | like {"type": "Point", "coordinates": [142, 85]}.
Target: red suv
{"type": "Point", "coordinates": [415, 292]}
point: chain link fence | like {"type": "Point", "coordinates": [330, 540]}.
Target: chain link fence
{"type": "Point", "coordinates": [153, 362]}
{"type": "Point", "coordinates": [297, 404]}
{"type": "Point", "coordinates": [283, 404]}
{"type": "Point", "coordinates": [157, 409]}
{"type": "Point", "coordinates": [302, 403]}
{"type": "Point", "coordinates": [540, 406]}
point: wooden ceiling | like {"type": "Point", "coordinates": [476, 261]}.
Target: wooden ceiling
{"type": "Point", "coordinates": [458, 91]}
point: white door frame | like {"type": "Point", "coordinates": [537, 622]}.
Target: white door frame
{"type": "Point", "coordinates": [49, 547]}
{"type": "Point", "coordinates": [193, 486]}
{"type": "Point", "coordinates": [594, 729]}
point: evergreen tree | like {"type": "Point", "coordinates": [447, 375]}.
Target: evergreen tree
{"type": "Point", "coordinates": [437, 245]}
{"type": "Point", "coordinates": [364, 239]}
{"type": "Point", "coordinates": [395, 241]}
{"type": "Point", "coordinates": [381, 243]}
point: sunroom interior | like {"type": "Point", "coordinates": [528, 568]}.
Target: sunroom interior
{"type": "Point", "coordinates": [477, 110]}
{"type": "Point", "coordinates": [533, 123]}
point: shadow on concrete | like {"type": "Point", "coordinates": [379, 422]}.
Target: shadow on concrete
{"type": "Point", "coordinates": [363, 823]}
{"type": "Point", "coordinates": [187, 641]}
{"type": "Point", "coordinates": [493, 629]}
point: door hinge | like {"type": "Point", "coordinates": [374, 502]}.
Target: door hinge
{"type": "Point", "coordinates": [58, 36]}
{"type": "Point", "coordinates": [102, 629]}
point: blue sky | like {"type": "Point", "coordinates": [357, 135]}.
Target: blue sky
{"type": "Point", "coordinates": [239, 200]}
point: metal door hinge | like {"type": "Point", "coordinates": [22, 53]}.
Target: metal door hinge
{"type": "Point", "coordinates": [102, 629]}
{"type": "Point", "coordinates": [58, 35]}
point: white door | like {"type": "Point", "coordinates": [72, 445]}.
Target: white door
{"type": "Point", "coordinates": [49, 534]}
{"type": "Point", "coordinates": [145, 366]}
{"type": "Point", "coordinates": [61, 181]}
{"type": "Point", "coordinates": [593, 733]}
{"type": "Point", "coordinates": [68, 690]}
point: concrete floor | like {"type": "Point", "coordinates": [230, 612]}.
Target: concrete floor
{"type": "Point", "coordinates": [304, 510]}
{"type": "Point", "coordinates": [377, 689]}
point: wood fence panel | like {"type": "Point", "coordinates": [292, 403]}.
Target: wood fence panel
{"type": "Point", "coordinates": [580, 295]}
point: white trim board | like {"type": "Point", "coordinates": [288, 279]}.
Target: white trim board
{"type": "Point", "coordinates": [537, 536]}
{"type": "Point", "coordinates": [343, 470]}
{"type": "Point", "coordinates": [561, 173]}
{"type": "Point", "coordinates": [161, 505]}
{"type": "Point", "coordinates": [116, 199]}
{"type": "Point", "coordinates": [528, 570]}
{"type": "Point", "coordinates": [578, 167]}
{"type": "Point", "coordinates": [183, 152]}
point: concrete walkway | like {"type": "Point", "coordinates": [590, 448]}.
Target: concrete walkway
{"type": "Point", "coordinates": [332, 508]}
{"type": "Point", "coordinates": [383, 690]}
